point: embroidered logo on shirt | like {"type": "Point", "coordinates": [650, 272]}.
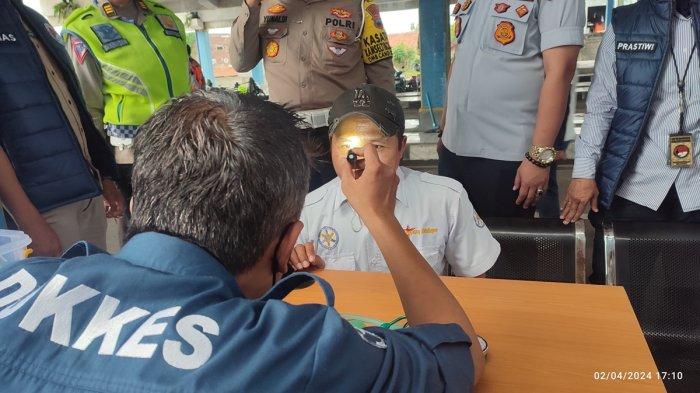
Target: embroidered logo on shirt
{"type": "Point", "coordinates": [79, 49]}
{"type": "Point", "coordinates": [277, 9]}
{"type": "Point", "coordinates": [341, 13]}
{"type": "Point", "coordinates": [328, 238]}
{"type": "Point", "coordinates": [337, 51]}
{"type": "Point", "coordinates": [522, 10]}
{"type": "Point", "coordinates": [458, 26]}
{"type": "Point", "coordinates": [272, 49]}
{"type": "Point", "coordinates": [456, 8]}
{"type": "Point", "coordinates": [373, 10]}
{"type": "Point", "coordinates": [109, 10]}
{"type": "Point", "coordinates": [339, 35]}
{"type": "Point", "coordinates": [411, 231]}
{"type": "Point", "coordinates": [372, 339]}
{"type": "Point", "coordinates": [467, 4]}
{"type": "Point", "coordinates": [478, 221]}
{"type": "Point", "coordinates": [505, 33]}
{"type": "Point", "coordinates": [109, 36]}
{"type": "Point", "coordinates": [7, 37]}
{"type": "Point", "coordinates": [648, 47]}
{"type": "Point", "coordinates": [501, 7]}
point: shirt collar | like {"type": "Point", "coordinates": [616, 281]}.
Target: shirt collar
{"type": "Point", "coordinates": [173, 255]}
{"type": "Point", "coordinates": [401, 196]}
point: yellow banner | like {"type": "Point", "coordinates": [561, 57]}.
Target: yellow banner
{"type": "Point", "coordinates": [375, 43]}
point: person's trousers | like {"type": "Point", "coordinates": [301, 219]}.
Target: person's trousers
{"type": "Point", "coordinates": [321, 171]}
{"type": "Point", "coordinates": [489, 183]}
{"type": "Point", "coordinates": [548, 205]}
{"type": "Point", "coordinates": [83, 220]}
{"type": "Point", "coordinates": [624, 210]}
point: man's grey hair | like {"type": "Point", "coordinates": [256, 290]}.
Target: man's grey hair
{"type": "Point", "coordinates": [224, 171]}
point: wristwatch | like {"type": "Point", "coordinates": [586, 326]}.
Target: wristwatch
{"type": "Point", "coordinates": [541, 156]}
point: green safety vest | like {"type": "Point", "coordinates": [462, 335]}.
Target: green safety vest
{"type": "Point", "coordinates": [143, 67]}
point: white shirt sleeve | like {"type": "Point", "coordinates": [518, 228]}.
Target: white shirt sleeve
{"type": "Point", "coordinates": [471, 250]}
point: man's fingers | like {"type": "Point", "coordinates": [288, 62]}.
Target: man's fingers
{"type": "Point", "coordinates": [594, 203]}
{"type": "Point", "coordinates": [320, 263]}
{"type": "Point", "coordinates": [571, 211]}
{"type": "Point", "coordinates": [301, 254]}
{"type": "Point", "coordinates": [310, 252]}
{"type": "Point", "coordinates": [579, 211]}
{"type": "Point", "coordinates": [294, 259]}
{"type": "Point", "coordinates": [522, 195]}
{"type": "Point", "coordinates": [516, 184]}
{"type": "Point", "coordinates": [530, 199]}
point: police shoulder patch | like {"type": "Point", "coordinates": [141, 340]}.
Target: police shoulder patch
{"type": "Point", "coordinates": [109, 37]}
{"type": "Point", "coordinates": [374, 40]}
{"type": "Point", "coordinates": [442, 181]}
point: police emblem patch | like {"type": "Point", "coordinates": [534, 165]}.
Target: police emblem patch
{"type": "Point", "coordinates": [328, 238]}
{"type": "Point", "coordinates": [277, 9]}
{"type": "Point", "coordinates": [522, 10]}
{"type": "Point", "coordinates": [341, 13]}
{"type": "Point", "coordinates": [466, 5]}
{"type": "Point", "coordinates": [337, 51]}
{"type": "Point", "coordinates": [109, 36]}
{"type": "Point", "coordinates": [456, 8]}
{"type": "Point", "coordinates": [373, 10]}
{"type": "Point", "coordinates": [505, 33]}
{"type": "Point", "coordinates": [501, 7]}
{"type": "Point", "coordinates": [372, 339]}
{"type": "Point", "coordinates": [169, 25]}
{"type": "Point", "coordinates": [79, 49]}
{"type": "Point", "coordinates": [272, 49]}
{"type": "Point", "coordinates": [108, 9]}
{"type": "Point", "coordinates": [478, 221]}
{"type": "Point", "coordinates": [339, 35]}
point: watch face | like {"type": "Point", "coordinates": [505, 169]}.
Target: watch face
{"type": "Point", "coordinates": [547, 156]}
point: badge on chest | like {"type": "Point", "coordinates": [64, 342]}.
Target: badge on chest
{"type": "Point", "coordinates": [680, 150]}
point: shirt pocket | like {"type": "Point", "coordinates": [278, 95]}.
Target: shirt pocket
{"type": "Point", "coordinates": [274, 38]}
{"type": "Point", "coordinates": [508, 26]}
{"type": "Point", "coordinates": [341, 50]}
{"type": "Point", "coordinates": [344, 261]}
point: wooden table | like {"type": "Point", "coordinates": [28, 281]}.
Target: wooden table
{"type": "Point", "coordinates": [543, 337]}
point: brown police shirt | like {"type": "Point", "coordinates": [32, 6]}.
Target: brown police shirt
{"type": "Point", "coordinates": [313, 50]}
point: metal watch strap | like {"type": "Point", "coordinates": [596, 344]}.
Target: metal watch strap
{"type": "Point", "coordinates": [534, 161]}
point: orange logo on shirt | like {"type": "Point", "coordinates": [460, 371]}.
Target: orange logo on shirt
{"type": "Point", "coordinates": [505, 33]}
{"type": "Point", "coordinates": [411, 231]}
{"type": "Point", "coordinates": [277, 9]}
{"type": "Point", "coordinates": [522, 10]}
{"type": "Point", "coordinates": [341, 13]}
{"type": "Point", "coordinates": [272, 49]}
{"type": "Point", "coordinates": [339, 35]}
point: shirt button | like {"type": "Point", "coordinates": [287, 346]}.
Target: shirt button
{"type": "Point", "coordinates": [303, 58]}
{"type": "Point", "coordinates": [305, 32]}
{"type": "Point", "coordinates": [303, 84]}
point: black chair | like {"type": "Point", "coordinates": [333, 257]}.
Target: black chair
{"type": "Point", "coordinates": [659, 266]}
{"type": "Point", "coordinates": [539, 250]}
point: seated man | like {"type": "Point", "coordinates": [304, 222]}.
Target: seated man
{"type": "Point", "coordinates": [193, 300]}
{"type": "Point", "coordinates": [434, 211]}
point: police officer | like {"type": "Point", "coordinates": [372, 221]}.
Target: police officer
{"type": "Point", "coordinates": [507, 94]}
{"type": "Point", "coordinates": [636, 157]}
{"type": "Point", "coordinates": [434, 211]}
{"type": "Point", "coordinates": [313, 50]}
{"type": "Point", "coordinates": [130, 57]}
{"type": "Point", "coordinates": [190, 302]}
{"type": "Point", "coordinates": [56, 172]}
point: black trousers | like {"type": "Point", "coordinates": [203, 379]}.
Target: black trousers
{"type": "Point", "coordinates": [322, 170]}
{"type": "Point", "coordinates": [624, 210]}
{"type": "Point", "coordinates": [489, 183]}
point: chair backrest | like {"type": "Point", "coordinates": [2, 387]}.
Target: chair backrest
{"type": "Point", "coordinates": [539, 250]}
{"type": "Point", "coordinates": [659, 266]}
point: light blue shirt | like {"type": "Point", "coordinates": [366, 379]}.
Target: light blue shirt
{"type": "Point", "coordinates": [498, 72]}
{"type": "Point", "coordinates": [649, 178]}
{"type": "Point", "coordinates": [165, 315]}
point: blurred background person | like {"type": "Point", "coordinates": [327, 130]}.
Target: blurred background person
{"type": "Point", "coordinates": [56, 171]}
{"type": "Point", "coordinates": [313, 51]}
{"type": "Point", "coordinates": [197, 81]}
{"type": "Point", "coordinates": [636, 157]}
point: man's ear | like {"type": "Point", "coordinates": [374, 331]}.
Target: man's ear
{"type": "Point", "coordinates": [287, 243]}
{"type": "Point", "coordinates": [403, 143]}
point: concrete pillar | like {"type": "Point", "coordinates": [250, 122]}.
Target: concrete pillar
{"type": "Point", "coordinates": [608, 12]}
{"type": "Point", "coordinates": [204, 50]}
{"type": "Point", "coordinates": [434, 57]}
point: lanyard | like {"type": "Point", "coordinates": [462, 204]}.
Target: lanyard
{"type": "Point", "coordinates": [681, 87]}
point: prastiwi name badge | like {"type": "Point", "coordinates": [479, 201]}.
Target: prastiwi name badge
{"type": "Point", "coordinates": [680, 150]}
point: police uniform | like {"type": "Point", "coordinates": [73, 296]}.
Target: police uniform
{"type": "Point", "coordinates": [164, 315]}
{"type": "Point", "coordinates": [313, 50]}
{"type": "Point", "coordinates": [434, 211]}
{"type": "Point", "coordinates": [494, 90]}
{"type": "Point", "coordinates": [128, 66]}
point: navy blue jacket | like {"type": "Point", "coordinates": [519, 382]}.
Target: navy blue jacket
{"type": "Point", "coordinates": [34, 131]}
{"type": "Point", "coordinates": [642, 41]}
{"type": "Point", "coordinates": [164, 316]}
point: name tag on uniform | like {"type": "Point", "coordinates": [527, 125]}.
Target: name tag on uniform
{"type": "Point", "coordinates": [169, 26]}
{"type": "Point", "coordinates": [635, 47]}
{"type": "Point", "coordinates": [680, 150]}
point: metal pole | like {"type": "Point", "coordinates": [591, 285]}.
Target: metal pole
{"type": "Point", "coordinates": [204, 50]}
{"type": "Point", "coordinates": [434, 57]}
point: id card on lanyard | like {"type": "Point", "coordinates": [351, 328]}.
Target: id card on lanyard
{"type": "Point", "coordinates": [680, 144]}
